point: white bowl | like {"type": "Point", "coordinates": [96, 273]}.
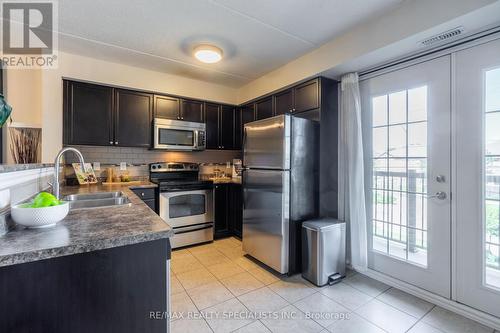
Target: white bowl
{"type": "Point", "coordinates": [39, 217]}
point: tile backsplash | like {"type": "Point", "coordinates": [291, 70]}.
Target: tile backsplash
{"type": "Point", "coordinates": [137, 156]}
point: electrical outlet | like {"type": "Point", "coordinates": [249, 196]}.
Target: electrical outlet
{"type": "Point", "coordinates": [123, 166]}
{"type": "Point", "coordinates": [4, 198]}
{"type": "Point", "coordinates": [97, 166]}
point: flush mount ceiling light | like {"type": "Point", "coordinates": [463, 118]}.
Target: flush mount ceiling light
{"type": "Point", "coordinates": [208, 53]}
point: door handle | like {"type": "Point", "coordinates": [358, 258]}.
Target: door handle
{"type": "Point", "coordinates": [439, 195]}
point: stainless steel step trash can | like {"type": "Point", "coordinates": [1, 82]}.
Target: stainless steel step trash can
{"type": "Point", "coordinates": [323, 251]}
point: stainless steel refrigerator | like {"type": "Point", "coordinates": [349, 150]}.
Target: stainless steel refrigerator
{"type": "Point", "coordinates": [280, 188]}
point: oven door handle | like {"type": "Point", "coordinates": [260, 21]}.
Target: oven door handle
{"type": "Point", "coordinates": [179, 189]}
{"type": "Point", "coordinates": [183, 230]}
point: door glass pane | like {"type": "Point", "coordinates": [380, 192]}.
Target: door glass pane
{"type": "Point", "coordinates": [417, 139]}
{"type": "Point", "coordinates": [379, 110]}
{"type": "Point", "coordinates": [417, 104]}
{"type": "Point", "coordinates": [186, 205]}
{"type": "Point", "coordinates": [492, 178]}
{"type": "Point", "coordinates": [397, 107]}
{"type": "Point", "coordinates": [379, 142]}
{"type": "Point", "coordinates": [399, 225]}
{"type": "Point", "coordinates": [397, 140]}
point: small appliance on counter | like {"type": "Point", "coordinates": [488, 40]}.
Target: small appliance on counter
{"type": "Point", "coordinates": [237, 168]}
{"type": "Point", "coordinates": [185, 202]}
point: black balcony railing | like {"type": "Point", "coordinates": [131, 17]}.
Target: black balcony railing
{"type": "Point", "coordinates": [403, 214]}
{"type": "Point", "coordinates": [492, 220]}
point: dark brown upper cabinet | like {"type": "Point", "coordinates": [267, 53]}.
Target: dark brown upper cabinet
{"type": "Point", "coordinates": [243, 115]}
{"type": "Point", "coordinates": [133, 112]}
{"type": "Point", "coordinates": [167, 107]}
{"type": "Point", "coordinates": [226, 128]}
{"type": "Point", "coordinates": [238, 129]}
{"type": "Point", "coordinates": [88, 114]}
{"type": "Point", "coordinates": [283, 102]}
{"type": "Point", "coordinates": [264, 108]}
{"type": "Point", "coordinates": [104, 116]}
{"type": "Point", "coordinates": [192, 110]}
{"type": "Point", "coordinates": [212, 125]}
{"type": "Point", "coordinates": [220, 120]}
{"type": "Point", "coordinates": [306, 96]}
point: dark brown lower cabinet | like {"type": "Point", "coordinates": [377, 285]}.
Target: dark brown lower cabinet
{"type": "Point", "coordinates": [236, 208]}
{"type": "Point", "coordinates": [228, 210]}
{"type": "Point", "coordinates": [148, 195]}
{"type": "Point", "coordinates": [221, 211]}
{"type": "Point", "coordinates": [111, 290]}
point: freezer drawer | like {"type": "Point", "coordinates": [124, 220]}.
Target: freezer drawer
{"type": "Point", "coordinates": [266, 143]}
{"type": "Point", "coordinates": [266, 217]}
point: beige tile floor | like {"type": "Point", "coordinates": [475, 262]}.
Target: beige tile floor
{"type": "Point", "coordinates": [216, 288]}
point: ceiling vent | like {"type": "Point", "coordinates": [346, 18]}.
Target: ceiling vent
{"type": "Point", "coordinates": [443, 36]}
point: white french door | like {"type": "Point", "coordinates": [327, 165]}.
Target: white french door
{"type": "Point", "coordinates": [477, 189]}
{"type": "Point", "coordinates": [406, 129]}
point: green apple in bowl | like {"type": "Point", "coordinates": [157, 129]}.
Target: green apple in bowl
{"type": "Point", "coordinates": [44, 211]}
{"type": "Point", "coordinates": [45, 199]}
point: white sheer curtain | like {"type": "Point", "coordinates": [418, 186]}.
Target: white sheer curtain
{"type": "Point", "coordinates": [352, 170]}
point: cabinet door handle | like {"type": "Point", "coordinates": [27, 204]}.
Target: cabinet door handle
{"type": "Point", "coordinates": [116, 142]}
{"type": "Point", "coordinates": [182, 118]}
{"type": "Point", "coordinates": [110, 142]}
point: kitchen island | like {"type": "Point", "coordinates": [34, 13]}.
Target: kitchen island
{"type": "Point", "coordinates": [99, 270]}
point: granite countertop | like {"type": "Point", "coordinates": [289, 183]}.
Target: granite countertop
{"type": "Point", "coordinates": [86, 230]}
{"type": "Point", "coordinates": [21, 167]}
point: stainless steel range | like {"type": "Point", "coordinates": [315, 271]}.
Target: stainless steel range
{"type": "Point", "coordinates": [186, 203]}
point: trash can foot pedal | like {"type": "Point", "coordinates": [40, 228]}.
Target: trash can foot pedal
{"type": "Point", "coordinates": [334, 278]}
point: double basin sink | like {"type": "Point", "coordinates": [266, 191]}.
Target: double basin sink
{"type": "Point", "coordinates": [96, 200]}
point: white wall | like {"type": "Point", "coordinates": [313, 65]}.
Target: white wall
{"type": "Point", "coordinates": [23, 92]}
{"type": "Point", "coordinates": [410, 18]}
{"type": "Point", "coordinates": [84, 68]}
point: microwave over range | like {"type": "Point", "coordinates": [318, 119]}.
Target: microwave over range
{"type": "Point", "coordinates": [178, 135]}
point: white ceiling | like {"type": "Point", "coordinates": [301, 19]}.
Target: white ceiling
{"type": "Point", "coordinates": [256, 36]}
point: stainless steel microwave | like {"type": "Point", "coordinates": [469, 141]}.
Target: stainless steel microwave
{"type": "Point", "coordinates": [178, 135]}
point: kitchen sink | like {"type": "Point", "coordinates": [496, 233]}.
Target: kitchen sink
{"type": "Point", "coordinates": [97, 200]}
{"type": "Point", "coordinates": [93, 196]}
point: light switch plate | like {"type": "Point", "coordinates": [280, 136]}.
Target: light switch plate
{"type": "Point", "coordinates": [97, 166]}
{"type": "Point", "coordinates": [123, 166]}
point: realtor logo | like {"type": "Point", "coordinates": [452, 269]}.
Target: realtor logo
{"type": "Point", "coordinates": [29, 38]}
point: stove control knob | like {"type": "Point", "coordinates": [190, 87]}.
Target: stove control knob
{"type": "Point", "coordinates": [153, 167]}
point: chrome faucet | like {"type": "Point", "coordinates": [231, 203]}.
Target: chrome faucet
{"type": "Point", "coordinates": [57, 166]}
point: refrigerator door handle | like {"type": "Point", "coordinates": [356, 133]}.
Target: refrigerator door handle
{"type": "Point", "coordinates": [244, 141]}
{"type": "Point", "coordinates": [243, 185]}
